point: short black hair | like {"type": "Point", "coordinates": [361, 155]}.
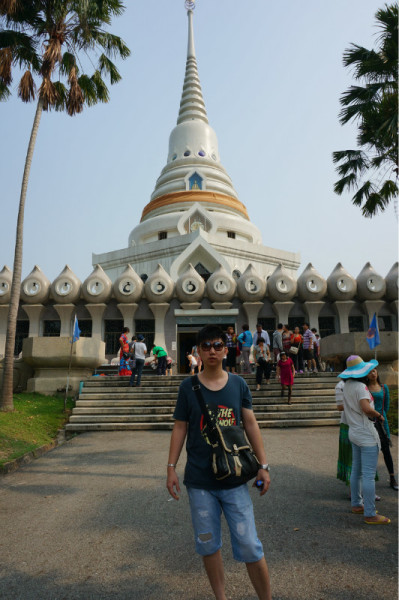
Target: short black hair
{"type": "Point", "coordinates": [307, 324]}
{"type": "Point", "coordinates": [210, 333]}
{"type": "Point", "coordinates": [314, 329]}
{"type": "Point", "coordinates": [280, 326]}
{"type": "Point", "coordinates": [245, 327]}
{"type": "Point", "coordinates": [261, 340]}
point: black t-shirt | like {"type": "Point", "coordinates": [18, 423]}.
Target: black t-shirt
{"type": "Point", "coordinates": [226, 404]}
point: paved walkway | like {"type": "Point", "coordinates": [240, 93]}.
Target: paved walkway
{"type": "Point", "coordinates": [92, 520]}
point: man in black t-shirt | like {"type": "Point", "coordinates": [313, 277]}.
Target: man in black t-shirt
{"type": "Point", "coordinates": [228, 398]}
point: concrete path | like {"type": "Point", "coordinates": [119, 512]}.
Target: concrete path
{"type": "Point", "coordinates": [92, 520]}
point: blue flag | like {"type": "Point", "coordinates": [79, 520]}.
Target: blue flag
{"type": "Point", "coordinates": [76, 331]}
{"type": "Point", "coordinates": [373, 335]}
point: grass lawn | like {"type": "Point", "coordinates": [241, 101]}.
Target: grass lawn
{"type": "Point", "coordinates": [34, 423]}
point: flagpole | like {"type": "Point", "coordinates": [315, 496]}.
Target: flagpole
{"type": "Point", "coordinates": [69, 370]}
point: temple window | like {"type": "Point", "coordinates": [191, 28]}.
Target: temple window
{"type": "Point", "coordinates": [187, 153]}
{"type": "Point", "coordinates": [231, 234]}
{"type": "Point", "coordinates": [201, 153]}
{"type": "Point", "coordinates": [203, 271]}
{"type": "Point", "coordinates": [162, 235]}
{"type": "Point", "coordinates": [195, 182]}
{"type": "Point", "coordinates": [51, 328]}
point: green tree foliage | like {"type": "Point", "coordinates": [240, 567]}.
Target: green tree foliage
{"type": "Point", "coordinates": [372, 169]}
{"type": "Point", "coordinates": [50, 42]}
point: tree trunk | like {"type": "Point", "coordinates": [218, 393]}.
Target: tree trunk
{"type": "Point", "coordinates": [6, 401]}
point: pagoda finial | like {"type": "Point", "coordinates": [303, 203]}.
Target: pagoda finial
{"type": "Point", "coordinates": [192, 105]}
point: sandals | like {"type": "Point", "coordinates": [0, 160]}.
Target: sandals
{"type": "Point", "coordinates": [358, 510]}
{"type": "Point", "coordinates": [377, 520]}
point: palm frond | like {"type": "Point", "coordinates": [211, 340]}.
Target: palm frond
{"type": "Point", "coordinates": [26, 87]}
{"type": "Point", "coordinates": [378, 200]}
{"type": "Point", "coordinates": [346, 183]}
{"type": "Point", "coordinates": [68, 62]}
{"type": "Point", "coordinates": [348, 155]}
{"type": "Point", "coordinates": [363, 193]}
{"type": "Point", "coordinates": [48, 93]}
{"type": "Point", "coordinates": [62, 94]}
{"type": "Point", "coordinates": [113, 45]}
{"type": "Point", "coordinates": [75, 99]}
{"type": "Point", "coordinates": [5, 65]}
{"type": "Point", "coordinates": [4, 92]}
{"type": "Point", "coordinates": [89, 89]}
{"type": "Point", "coordinates": [101, 88]}
{"type": "Point", "coordinates": [107, 66]}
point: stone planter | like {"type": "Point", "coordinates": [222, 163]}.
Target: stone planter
{"type": "Point", "coordinates": [50, 357]}
{"type": "Point", "coordinates": [336, 348]}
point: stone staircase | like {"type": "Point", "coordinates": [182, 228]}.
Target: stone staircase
{"type": "Point", "coordinates": [108, 403]}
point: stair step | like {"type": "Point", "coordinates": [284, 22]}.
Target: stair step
{"type": "Point", "coordinates": [80, 427]}
{"type": "Point", "coordinates": [108, 403]}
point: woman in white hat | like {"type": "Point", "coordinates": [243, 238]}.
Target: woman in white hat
{"type": "Point", "coordinates": [360, 412]}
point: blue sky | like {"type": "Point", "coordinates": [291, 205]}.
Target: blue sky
{"type": "Point", "coordinates": [271, 76]}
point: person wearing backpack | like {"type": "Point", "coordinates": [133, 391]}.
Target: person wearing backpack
{"type": "Point", "coordinates": [228, 398]}
{"type": "Point", "coordinates": [245, 339]}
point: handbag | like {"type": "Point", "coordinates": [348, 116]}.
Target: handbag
{"type": "Point", "coordinates": [233, 459]}
{"type": "Point", "coordinates": [294, 350]}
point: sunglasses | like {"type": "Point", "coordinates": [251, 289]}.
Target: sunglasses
{"type": "Point", "coordinates": [217, 346]}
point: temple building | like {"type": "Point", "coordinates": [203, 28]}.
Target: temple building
{"type": "Point", "coordinates": [196, 258]}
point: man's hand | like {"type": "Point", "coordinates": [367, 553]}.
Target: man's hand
{"type": "Point", "coordinates": [172, 483]}
{"type": "Point", "coordinates": [265, 477]}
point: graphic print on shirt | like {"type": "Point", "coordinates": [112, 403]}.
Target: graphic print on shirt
{"type": "Point", "coordinates": [225, 416]}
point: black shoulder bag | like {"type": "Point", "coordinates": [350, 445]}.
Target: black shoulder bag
{"type": "Point", "coordinates": [233, 459]}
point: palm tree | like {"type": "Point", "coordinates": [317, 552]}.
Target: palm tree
{"type": "Point", "coordinates": [51, 40]}
{"type": "Point", "coordinates": [372, 169]}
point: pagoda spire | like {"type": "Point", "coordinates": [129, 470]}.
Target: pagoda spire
{"type": "Point", "coordinates": [192, 105]}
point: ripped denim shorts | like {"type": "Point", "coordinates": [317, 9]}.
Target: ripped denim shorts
{"type": "Point", "coordinates": [236, 504]}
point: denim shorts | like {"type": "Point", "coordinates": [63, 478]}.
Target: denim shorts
{"type": "Point", "coordinates": [236, 504]}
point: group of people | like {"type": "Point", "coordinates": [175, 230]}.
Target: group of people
{"type": "Point", "coordinates": [289, 351]}
{"type": "Point", "coordinates": [132, 358]}
{"type": "Point", "coordinates": [303, 348]}
{"type": "Point", "coordinates": [363, 402]}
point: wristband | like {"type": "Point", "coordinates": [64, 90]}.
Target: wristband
{"type": "Point", "coordinates": [171, 464]}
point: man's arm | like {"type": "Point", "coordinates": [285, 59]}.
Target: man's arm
{"type": "Point", "coordinates": [176, 444]}
{"type": "Point", "coordinates": [253, 432]}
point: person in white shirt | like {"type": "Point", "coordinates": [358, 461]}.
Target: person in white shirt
{"type": "Point", "coordinates": [261, 333]}
{"type": "Point", "coordinates": [138, 351]}
{"type": "Point", "coordinates": [359, 414]}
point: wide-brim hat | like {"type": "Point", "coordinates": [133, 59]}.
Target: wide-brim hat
{"type": "Point", "coordinates": [357, 368]}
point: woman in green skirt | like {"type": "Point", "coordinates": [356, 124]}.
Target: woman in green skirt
{"type": "Point", "coordinates": [344, 465]}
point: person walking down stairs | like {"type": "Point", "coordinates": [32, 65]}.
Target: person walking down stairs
{"type": "Point", "coordinates": [286, 374]}
{"type": "Point", "coordinates": [261, 355]}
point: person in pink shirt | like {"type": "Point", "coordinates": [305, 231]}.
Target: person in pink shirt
{"type": "Point", "coordinates": [286, 373]}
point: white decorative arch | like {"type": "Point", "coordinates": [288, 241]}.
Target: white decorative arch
{"type": "Point", "coordinates": [198, 251]}
{"type": "Point", "coordinates": [199, 213]}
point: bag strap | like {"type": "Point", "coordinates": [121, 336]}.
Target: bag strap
{"type": "Point", "coordinates": [383, 398]}
{"type": "Point", "coordinates": [209, 421]}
